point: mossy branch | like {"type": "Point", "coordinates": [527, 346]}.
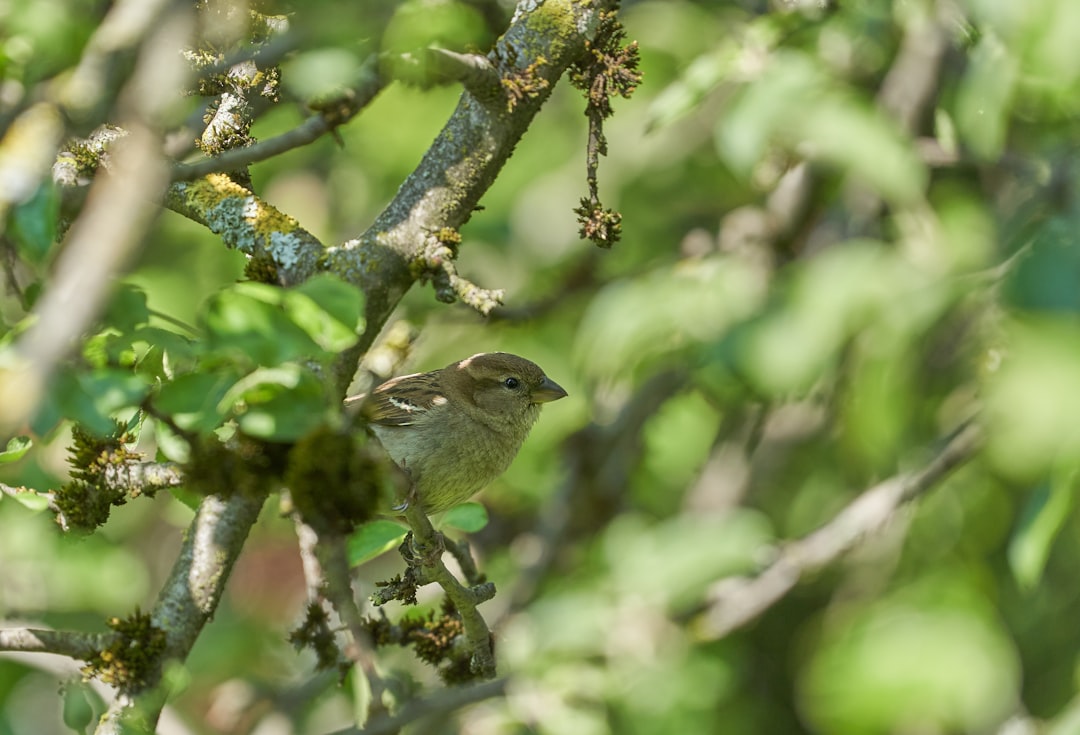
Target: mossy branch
{"type": "Point", "coordinates": [426, 560]}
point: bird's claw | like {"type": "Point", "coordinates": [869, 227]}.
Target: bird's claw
{"type": "Point", "coordinates": [422, 555]}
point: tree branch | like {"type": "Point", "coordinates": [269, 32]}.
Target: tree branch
{"type": "Point", "coordinates": [429, 546]}
{"type": "Point", "coordinates": [74, 644]}
{"type": "Point", "coordinates": [329, 116]}
{"type": "Point", "coordinates": [461, 164]}
{"type": "Point", "coordinates": [735, 602]}
{"type": "Point", "coordinates": [190, 596]}
{"type": "Point", "coordinates": [442, 703]}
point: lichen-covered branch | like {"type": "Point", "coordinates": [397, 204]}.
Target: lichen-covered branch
{"type": "Point", "coordinates": [75, 644]}
{"type": "Point", "coordinates": [439, 266]}
{"type": "Point", "coordinates": [461, 164]}
{"type": "Point", "coordinates": [286, 253]}
{"type": "Point", "coordinates": [329, 114]}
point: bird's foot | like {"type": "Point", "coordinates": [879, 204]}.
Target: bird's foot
{"type": "Point", "coordinates": [421, 554]}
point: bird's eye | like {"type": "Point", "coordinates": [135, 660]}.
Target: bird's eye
{"type": "Point", "coordinates": [512, 383]}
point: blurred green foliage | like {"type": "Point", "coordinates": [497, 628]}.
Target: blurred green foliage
{"type": "Point", "coordinates": [824, 330]}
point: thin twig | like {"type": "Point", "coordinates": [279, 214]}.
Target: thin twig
{"type": "Point", "coordinates": [316, 126]}
{"type": "Point", "coordinates": [442, 703]}
{"type": "Point", "coordinates": [74, 644]}
{"type": "Point", "coordinates": [733, 603]}
{"type": "Point", "coordinates": [437, 65]}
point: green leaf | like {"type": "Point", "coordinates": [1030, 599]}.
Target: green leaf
{"type": "Point", "coordinates": [30, 499]}
{"type": "Point", "coordinates": [1047, 278]}
{"type": "Point", "coordinates": [984, 100]}
{"type": "Point", "coordinates": [468, 517]}
{"type": "Point", "coordinates": [17, 447]}
{"type": "Point", "coordinates": [1043, 518]}
{"type": "Point", "coordinates": [170, 445]}
{"type": "Point", "coordinates": [798, 105]}
{"type": "Point", "coordinates": [247, 323]}
{"type": "Point", "coordinates": [373, 539]}
{"type": "Point", "coordinates": [91, 399]}
{"type": "Point", "coordinates": [686, 93]}
{"type": "Point", "coordinates": [127, 309]}
{"type": "Point", "coordinates": [187, 497]}
{"type": "Point", "coordinates": [34, 223]}
{"type": "Point", "coordinates": [193, 399]}
{"type": "Point", "coordinates": [328, 310]}
{"type": "Point", "coordinates": [277, 404]}
{"type": "Point", "coordinates": [161, 354]}
{"type": "Point", "coordinates": [77, 711]}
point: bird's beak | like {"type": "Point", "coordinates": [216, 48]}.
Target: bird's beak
{"type": "Point", "coordinates": [549, 390]}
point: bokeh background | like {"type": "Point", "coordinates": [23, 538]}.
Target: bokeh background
{"type": "Point", "coordinates": [847, 229]}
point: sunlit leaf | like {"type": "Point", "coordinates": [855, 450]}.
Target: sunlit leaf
{"type": "Point", "coordinates": [373, 539]}
{"type": "Point", "coordinates": [16, 449]}
{"type": "Point", "coordinates": [1031, 397]}
{"type": "Point", "coordinates": [685, 94]}
{"type": "Point", "coordinates": [469, 517]}
{"type": "Point", "coordinates": [936, 667]}
{"type": "Point", "coordinates": [192, 400]}
{"type": "Point", "coordinates": [316, 73]}
{"type": "Point", "coordinates": [633, 320]}
{"type": "Point", "coordinates": [247, 322]}
{"type": "Point", "coordinates": [30, 499]}
{"type": "Point", "coordinates": [328, 309]}
{"type": "Point", "coordinates": [277, 404]}
{"type": "Point", "coordinates": [798, 106]}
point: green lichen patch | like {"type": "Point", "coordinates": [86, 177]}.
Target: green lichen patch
{"type": "Point", "coordinates": [84, 502]}
{"type": "Point", "coordinates": [132, 660]}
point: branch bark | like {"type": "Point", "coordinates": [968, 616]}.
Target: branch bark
{"type": "Point", "coordinates": [74, 644]}
{"type": "Point", "coordinates": [190, 596]}
{"type": "Point", "coordinates": [734, 603]}
{"type": "Point", "coordinates": [461, 164]}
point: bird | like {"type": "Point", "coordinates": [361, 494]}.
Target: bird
{"type": "Point", "coordinates": [456, 429]}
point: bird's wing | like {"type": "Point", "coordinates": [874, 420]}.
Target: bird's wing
{"type": "Point", "coordinates": [402, 401]}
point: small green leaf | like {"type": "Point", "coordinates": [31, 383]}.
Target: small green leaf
{"type": "Point", "coordinates": [127, 308]}
{"type": "Point", "coordinates": [277, 404]}
{"type": "Point", "coordinates": [78, 712]}
{"type": "Point", "coordinates": [373, 539]}
{"type": "Point", "coordinates": [328, 310]}
{"type": "Point", "coordinates": [468, 517]}
{"type": "Point", "coordinates": [187, 497]}
{"type": "Point", "coordinates": [1043, 518]}
{"type": "Point", "coordinates": [162, 353]}
{"type": "Point", "coordinates": [91, 399]}
{"type": "Point", "coordinates": [16, 448]}
{"type": "Point", "coordinates": [34, 223]}
{"type": "Point", "coordinates": [31, 499]}
{"type": "Point", "coordinates": [193, 399]}
{"type": "Point", "coordinates": [170, 445]}
{"type": "Point", "coordinates": [247, 322]}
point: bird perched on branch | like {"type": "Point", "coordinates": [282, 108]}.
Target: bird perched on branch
{"type": "Point", "coordinates": [456, 429]}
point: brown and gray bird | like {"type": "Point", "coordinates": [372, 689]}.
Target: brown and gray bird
{"type": "Point", "coordinates": [455, 430]}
